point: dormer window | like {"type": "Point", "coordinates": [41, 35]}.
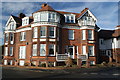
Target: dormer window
{"type": "Point", "coordinates": [69, 18]}
{"type": "Point", "coordinates": [25, 21]}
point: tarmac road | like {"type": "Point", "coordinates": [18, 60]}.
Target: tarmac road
{"type": "Point", "coordinates": [111, 73]}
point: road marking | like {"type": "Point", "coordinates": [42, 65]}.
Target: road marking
{"type": "Point", "coordinates": [104, 73]}
{"type": "Point", "coordinates": [85, 73]}
{"type": "Point", "coordinates": [116, 74]}
{"type": "Point", "coordinates": [93, 73]}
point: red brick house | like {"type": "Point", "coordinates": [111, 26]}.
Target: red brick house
{"type": "Point", "coordinates": [49, 37]}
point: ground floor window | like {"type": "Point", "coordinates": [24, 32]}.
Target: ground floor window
{"type": "Point", "coordinates": [92, 62]}
{"type": "Point", "coordinates": [22, 62]}
{"type": "Point", "coordinates": [42, 49]}
{"type": "Point", "coordinates": [11, 62]}
{"type": "Point", "coordinates": [51, 49]}
{"type": "Point", "coordinates": [5, 62]}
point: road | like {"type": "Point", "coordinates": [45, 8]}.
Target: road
{"type": "Point", "coordinates": [113, 72]}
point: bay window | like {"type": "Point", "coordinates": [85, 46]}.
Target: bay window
{"type": "Point", "coordinates": [11, 51]}
{"type": "Point", "coordinates": [25, 21]}
{"type": "Point", "coordinates": [83, 50]}
{"type": "Point", "coordinates": [22, 36]}
{"type": "Point", "coordinates": [71, 34]}
{"type": "Point", "coordinates": [43, 32]}
{"type": "Point", "coordinates": [51, 49]}
{"type": "Point", "coordinates": [42, 49]}
{"type": "Point", "coordinates": [34, 51]}
{"type": "Point", "coordinates": [35, 32]}
{"type": "Point", "coordinates": [52, 32]}
{"type": "Point", "coordinates": [91, 50]}
{"type": "Point", "coordinates": [22, 52]}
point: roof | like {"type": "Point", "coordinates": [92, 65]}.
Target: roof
{"type": "Point", "coordinates": [82, 12]}
{"type": "Point", "coordinates": [106, 34]}
{"type": "Point", "coordinates": [23, 26]}
{"type": "Point", "coordinates": [17, 19]}
{"type": "Point", "coordinates": [45, 7]}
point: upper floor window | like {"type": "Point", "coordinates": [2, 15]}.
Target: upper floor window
{"type": "Point", "coordinates": [25, 21]}
{"type": "Point", "coordinates": [83, 34]}
{"type": "Point", "coordinates": [34, 51]}
{"type": "Point", "coordinates": [6, 51]}
{"type": "Point", "coordinates": [11, 25]}
{"type": "Point", "coordinates": [70, 34]}
{"type": "Point", "coordinates": [35, 32]}
{"type": "Point", "coordinates": [22, 52]}
{"type": "Point", "coordinates": [43, 32]}
{"type": "Point", "coordinates": [11, 51]}
{"type": "Point", "coordinates": [51, 49]}
{"type": "Point", "coordinates": [90, 34]}
{"type": "Point", "coordinates": [91, 50]}
{"type": "Point", "coordinates": [6, 37]}
{"type": "Point", "coordinates": [11, 36]}
{"type": "Point", "coordinates": [51, 17]}
{"type": "Point", "coordinates": [22, 36]}
{"type": "Point", "coordinates": [70, 18]}
{"type": "Point", "coordinates": [52, 32]}
{"type": "Point", "coordinates": [42, 49]}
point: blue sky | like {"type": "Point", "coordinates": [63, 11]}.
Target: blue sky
{"type": "Point", "coordinates": [106, 12]}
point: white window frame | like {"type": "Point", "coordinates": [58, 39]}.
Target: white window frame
{"type": "Point", "coordinates": [25, 21]}
{"type": "Point", "coordinates": [35, 32]}
{"type": "Point", "coordinates": [20, 63]}
{"type": "Point", "coordinates": [5, 62]}
{"type": "Point", "coordinates": [70, 18]}
{"type": "Point", "coordinates": [84, 50]}
{"type": "Point", "coordinates": [51, 18]}
{"type": "Point", "coordinates": [6, 37]}
{"type": "Point", "coordinates": [69, 34]}
{"type": "Point", "coordinates": [43, 31]}
{"type": "Point", "coordinates": [93, 54]}
{"type": "Point", "coordinates": [34, 51]}
{"type": "Point", "coordinates": [53, 49]}
{"type": "Point", "coordinates": [22, 36]}
{"type": "Point", "coordinates": [44, 47]}
{"type": "Point", "coordinates": [83, 34]}
{"type": "Point", "coordinates": [11, 51]}
{"type": "Point", "coordinates": [6, 51]}
{"type": "Point", "coordinates": [11, 41]}
{"type": "Point", "coordinates": [54, 29]}
{"type": "Point", "coordinates": [22, 52]}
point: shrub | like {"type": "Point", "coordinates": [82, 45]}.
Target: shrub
{"type": "Point", "coordinates": [69, 62]}
{"type": "Point", "coordinates": [26, 64]}
{"type": "Point", "coordinates": [42, 65]}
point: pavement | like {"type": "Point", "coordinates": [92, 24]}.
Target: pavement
{"type": "Point", "coordinates": [111, 73]}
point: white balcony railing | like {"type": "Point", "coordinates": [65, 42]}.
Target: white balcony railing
{"type": "Point", "coordinates": [61, 57]}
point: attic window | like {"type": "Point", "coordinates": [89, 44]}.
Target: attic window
{"type": "Point", "coordinates": [69, 18]}
{"type": "Point", "coordinates": [25, 21]}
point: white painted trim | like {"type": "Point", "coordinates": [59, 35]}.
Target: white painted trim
{"type": "Point", "coordinates": [44, 23]}
{"type": "Point", "coordinates": [9, 31]}
{"type": "Point", "coordinates": [34, 40]}
{"type": "Point", "coordinates": [23, 29]}
{"type": "Point", "coordinates": [87, 27]}
{"type": "Point", "coordinates": [6, 43]}
{"type": "Point", "coordinates": [90, 15]}
{"type": "Point", "coordinates": [117, 28]}
{"type": "Point", "coordinates": [9, 20]}
{"type": "Point", "coordinates": [52, 39]}
{"type": "Point", "coordinates": [42, 39]}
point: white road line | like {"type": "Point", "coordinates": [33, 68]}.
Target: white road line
{"type": "Point", "coordinates": [93, 73]}
{"type": "Point", "coordinates": [116, 74]}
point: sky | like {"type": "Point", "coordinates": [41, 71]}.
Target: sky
{"type": "Point", "coordinates": [105, 12]}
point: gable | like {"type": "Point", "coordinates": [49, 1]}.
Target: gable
{"type": "Point", "coordinates": [90, 13]}
{"type": "Point", "coordinates": [11, 19]}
